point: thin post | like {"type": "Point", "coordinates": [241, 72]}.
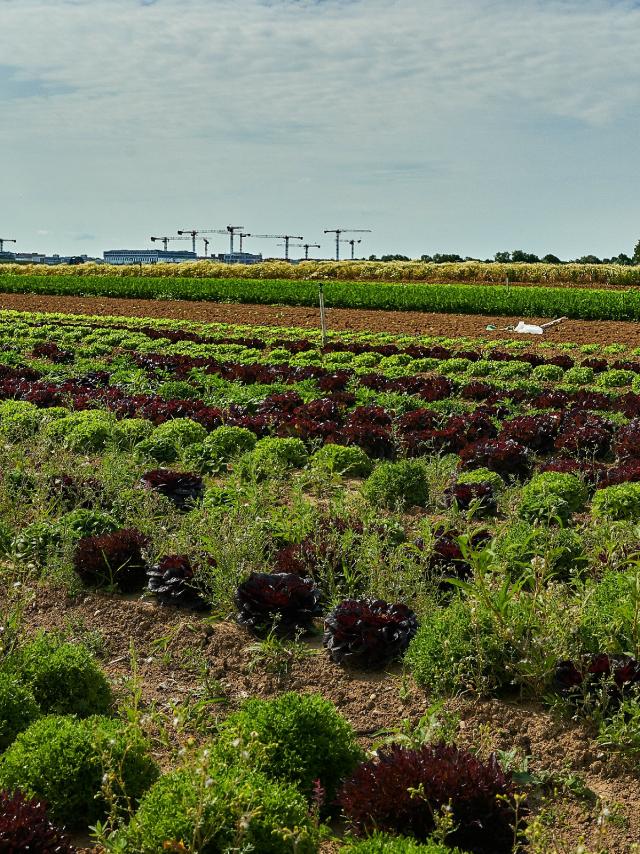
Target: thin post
{"type": "Point", "coordinates": [323, 321]}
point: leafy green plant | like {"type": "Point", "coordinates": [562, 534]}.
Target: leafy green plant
{"type": "Point", "coordinates": [621, 501]}
{"type": "Point", "coordinates": [64, 760]}
{"type": "Point", "coordinates": [295, 738]}
{"type": "Point", "coordinates": [270, 457]}
{"type": "Point", "coordinates": [350, 461]}
{"type": "Point", "coordinates": [63, 677]}
{"type": "Point", "coordinates": [383, 843]}
{"type": "Point", "coordinates": [552, 496]}
{"type": "Point", "coordinates": [210, 808]}
{"type": "Point", "coordinates": [18, 708]}
{"type": "Point", "coordinates": [401, 484]}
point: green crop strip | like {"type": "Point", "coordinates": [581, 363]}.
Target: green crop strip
{"type": "Point", "coordinates": [584, 304]}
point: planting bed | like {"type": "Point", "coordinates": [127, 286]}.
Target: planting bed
{"type": "Point", "coordinates": [339, 319]}
{"type": "Point", "coordinates": [420, 546]}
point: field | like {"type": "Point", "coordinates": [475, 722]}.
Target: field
{"type": "Point", "coordinates": [473, 299]}
{"type": "Point", "coordinates": [265, 595]}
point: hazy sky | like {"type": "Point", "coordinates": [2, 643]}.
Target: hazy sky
{"type": "Point", "coordinates": [442, 125]}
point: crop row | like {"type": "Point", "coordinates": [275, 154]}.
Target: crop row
{"type": "Point", "coordinates": [587, 304]}
{"type": "Point", "coordinates": [370, 271]}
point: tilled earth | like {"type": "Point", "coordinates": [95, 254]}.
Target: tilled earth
{"type": "Point", "coordinates": [339, 319]}
{"type": "Point", "coordinates": [174, 649]}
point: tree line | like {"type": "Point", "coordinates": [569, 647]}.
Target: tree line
{"type": "Point", "coordinates": [519, 256]}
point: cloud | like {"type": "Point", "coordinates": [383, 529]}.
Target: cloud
{"type": "Point", "coordinates": [187, 104]}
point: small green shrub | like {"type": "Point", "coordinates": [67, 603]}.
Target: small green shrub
{"type": "Point", "coordinates": [482, 475]}
{"type": "Point", "coordinates": [382, 843]}
{"type": "Point", "coordinates": [222, 445]}
{"type": "Point", "coordinates": [608, 619]}
{"type": "Point", "coordinates": [552, 495]}
{"type": "Point", "coordinates": [615, 378]}
{"type": "Point", "coordinates": [401, 484]}
{"type": "Point", "coordinates": [213, 809]}
{"type": "Point", "coordinates": [19, 419]}
{"type": "Point", "coordinates": [169, 440]}
{"type": "Point", "coordinates": [621, 501]}
{"type": "Point", "coordinates": [351, 461]}
{"type": "Point", "coordinates": [63, 761]}
{"type": "Point", "coordinates": [547, 373]}
{"type": "Point", "coordinates": [64, 677]}
{"type": "Point", "coordinates": [18, 708]}
{"type": "Point", "coordinates": [562, 549]}
{"type": "Point", "coordinates": [129, 432]}
{"type": "Point", "coordinates": [456, 649]}
{"type": "Point", "coordinates": [295, 738]}
{"type": "Point", "coordinates": [85, 432]}
{"type": "Point", "coordinates": [272, 457]}
{"type": "Point", "coordinates": [579, 376]}
{"type": "Point", "coordinates": [177, 390]}
{"type": "Point", "coordinates": [512, 370]}
{"type": "Point", "coordinates": [452, 367]}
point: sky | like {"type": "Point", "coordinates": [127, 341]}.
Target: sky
{"type": "Point", "coordinates": [468, 126]}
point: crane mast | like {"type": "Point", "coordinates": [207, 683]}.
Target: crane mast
{"type": "Point", "coordinates": [339, 231]}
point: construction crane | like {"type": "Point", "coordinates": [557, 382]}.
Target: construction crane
{"type": "Point", "coordinates": [206, 246]}
{"type": "Point", "coordinates": [165, 241]}
{"type": "Point", "coordinates": [352, 243]}
{"type": "Point", "coordinates": [339, 231]}
{"type": "Point", "coordinates": [231, 231]}
{"type": "Point", "coordinates": [286, 237]}
{"type": "Point", "coordinates": [194, 232]}
{"type": "Point", "coordinates": [241, 236]}
{"type": "Point", "coordinates": [4, 240]}
{"type": "Point", "coordinates": [306, 247]}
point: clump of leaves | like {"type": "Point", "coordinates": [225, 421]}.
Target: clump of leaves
{"type": "Point", "coordinates": [171, 579]}
{"type": "Point", "coordinates": [300, 739]}
{"type": "Point", "coordinates": [402, 791]}
{"type": "Point", "coordinates": [183, 488]}
{"type": "Point", "coordinates": [368, 633]}
{"type": "Point", "coordinates": [285, 600]}
{"type": "Point", "coordinates": [599, 680]}
{"type": "Point", "coordinates": [113, 559]}
{"type": "Point", "coordinates": [26, 826]}
{"type": "Point", "coordinates": [18, 708]}
{"type": "Point", "coordinates": [64, 677]}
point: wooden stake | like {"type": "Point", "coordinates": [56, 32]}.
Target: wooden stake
{"type": "Point", "coordinates": [323, 322]}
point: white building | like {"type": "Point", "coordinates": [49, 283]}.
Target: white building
{"type": "Point", "coordinates": [146, 256]}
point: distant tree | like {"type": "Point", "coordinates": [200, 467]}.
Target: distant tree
{"type": "Point", "coordinates": [518, 256]}
{"type": "Point", "coordinates": [551, 259]}
{"type": "Point", "coordinates": [373, 257]}
{"type": "Point", "coordinates": [622, 259]}
{"type": "Point", "coordinates": [636, 253]}
{"type": "Point", "coordinates": [427, 259]}
{"type": "Point", "coordinates": [502, 257]}
{"type": "Point", "coordinates": [588, 259]}
{"type": "Point", "coordinates": [444, 259]}
{"type": "Point", "coordinates": [395, 258]}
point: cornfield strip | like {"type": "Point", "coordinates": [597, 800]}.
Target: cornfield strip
{"type": "Point", "coordinates": [364, 271]}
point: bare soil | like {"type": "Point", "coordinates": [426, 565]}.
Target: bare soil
{"type": "Point", "coordinates": [172, 646]}
{"type": "Point", "coordinates": [339, 319]}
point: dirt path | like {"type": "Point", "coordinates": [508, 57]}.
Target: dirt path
{"type": "Point", "coordinates": [451, 325]}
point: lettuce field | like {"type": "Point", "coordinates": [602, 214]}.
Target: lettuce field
{"type": "Point", "coordinates": [262, 594]}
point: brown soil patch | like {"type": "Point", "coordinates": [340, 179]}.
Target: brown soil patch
{"type": "Point", "coordinates": [339, 319]}
{"type": "Point", "coordinates": [172, 647]}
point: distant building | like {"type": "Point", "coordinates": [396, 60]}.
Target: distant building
{"type": "Point", "coordinates": [7, 257]}
{"type": "Point", "coordinates": [30, 257]}
{"type": "Point", "coordinates": [237, 258]}
{"type": "Point", "coordinates": [146, 256]}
